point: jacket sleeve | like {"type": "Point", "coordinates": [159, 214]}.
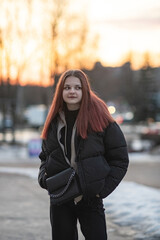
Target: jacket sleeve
{"type": "Point", "coordinates": [42, 171]}
{"type": "Point", "coordinates": [117, 157]}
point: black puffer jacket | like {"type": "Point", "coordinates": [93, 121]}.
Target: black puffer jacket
{"type": "Point", "coordinates": [102, 160]}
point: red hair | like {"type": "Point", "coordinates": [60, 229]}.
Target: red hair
{"type": "Point", "coordinates": [93, 113]}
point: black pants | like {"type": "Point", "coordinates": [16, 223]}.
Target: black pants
{"type": "Point", "coordinates": [91, 217]}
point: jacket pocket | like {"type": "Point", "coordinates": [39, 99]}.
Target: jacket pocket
{"type": "Point", "coordinates": [55, 162]}
{"type": "Point", "coordinates": [95, 170]}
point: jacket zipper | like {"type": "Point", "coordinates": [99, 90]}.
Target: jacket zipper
{"type": "Point", "coordinates": [65, 139]}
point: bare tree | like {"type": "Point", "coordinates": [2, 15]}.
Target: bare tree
{"type": "Point", "coordinates": [2, 95]}
{"type": "Point", "coordinates": [71, 45]}
{"type": "Point", "coordinates": [14, 59]}
{"type": "Point", "coordinates": [49, 40]}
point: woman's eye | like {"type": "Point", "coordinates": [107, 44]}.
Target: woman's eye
{"type": "Point", "coordinates": [66, 88]}
{"type": "Point", "coordinates": [78, 88]}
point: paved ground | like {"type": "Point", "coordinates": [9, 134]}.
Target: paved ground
{"type": "Point", "coordinates": [147, 173]}
{"type": "Point", "coordinates": [24, 206]}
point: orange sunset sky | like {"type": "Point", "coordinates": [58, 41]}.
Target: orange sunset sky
{"type": "Point", "coordinates": [127, 26]}
{"type": "Point", "coordinates": [123, 27]}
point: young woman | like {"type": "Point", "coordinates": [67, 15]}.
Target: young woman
{"type": "Point", "coordinates": [80, 132]}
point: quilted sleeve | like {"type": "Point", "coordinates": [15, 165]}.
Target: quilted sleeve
{"type": "Point", "coordinates": [117, 157]}
{"type": "Point", "coordinates": [42, 171]}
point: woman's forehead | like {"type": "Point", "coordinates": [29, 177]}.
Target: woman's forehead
{"type": "Point", "coordinates": [71, 80]}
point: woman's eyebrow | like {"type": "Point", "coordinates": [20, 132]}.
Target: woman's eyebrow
{"type": "Point", "coordinates": [76, 85]}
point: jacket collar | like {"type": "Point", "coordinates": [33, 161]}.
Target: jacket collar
{"type": "Point", "coordinates": [61, 124]}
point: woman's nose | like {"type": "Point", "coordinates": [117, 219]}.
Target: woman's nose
{"type": "Point", "coordinates": [72, 89]}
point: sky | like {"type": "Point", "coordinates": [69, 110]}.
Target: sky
{"type": "Point", "coordinates": [126, 29]}
{"type": "Point", "coordinates": [126, 26]}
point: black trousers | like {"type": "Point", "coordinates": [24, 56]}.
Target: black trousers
{"type": "Point", "coordinates": [91, 217]}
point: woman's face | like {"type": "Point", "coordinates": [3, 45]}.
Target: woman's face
{"type": "Point", "coordinates": [72, 92]}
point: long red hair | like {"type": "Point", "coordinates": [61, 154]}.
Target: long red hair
{"type": "Point", "coordinates": [93, 113]}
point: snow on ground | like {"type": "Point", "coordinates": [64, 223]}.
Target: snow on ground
{"type": "Point", "coordinates": [16, 153]}
{"type": "Point", "coordinates": [138, 206]}
{"type": "Point", "coordinates": [30, 172]}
